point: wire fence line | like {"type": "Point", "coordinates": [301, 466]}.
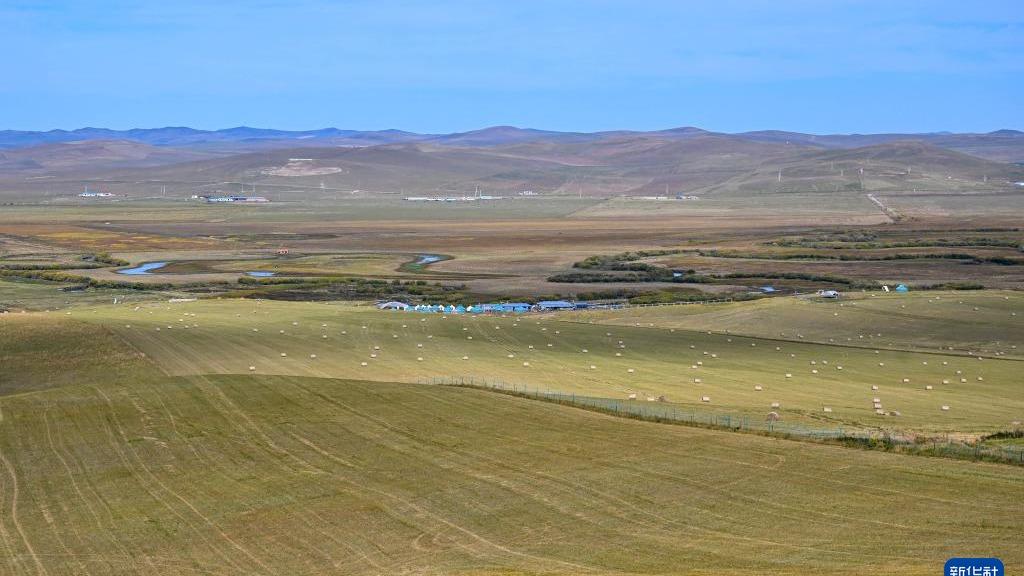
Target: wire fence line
{"type": "Point", "coordinates": [653, 410]}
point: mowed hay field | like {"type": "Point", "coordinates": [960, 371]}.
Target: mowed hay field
{"type": "Point", "coordinates": [986, 322]}
{"type": "Point", "coordinates": [138, 473]}
{"type": "Point", "coordinates": [544, 352]}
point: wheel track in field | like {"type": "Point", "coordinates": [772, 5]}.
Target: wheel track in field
{"type": "Point", "coordinates": [257, 431]}
{"type": "Point", "coordinates": [400, 500]}
{"type": "Point", "coordinates": [215, 466]}
{"type": "Point", "coordinates": [40, 569]}
{"type": "Point", "coordinates": [115, 421]}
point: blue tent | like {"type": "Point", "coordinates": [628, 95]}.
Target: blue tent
{"type": "Point", "coordinates": [555, 305]}
{"type": "Point", "coordinates": [902, 288]}
{"type": "Point", "coordinates": [460, 309]}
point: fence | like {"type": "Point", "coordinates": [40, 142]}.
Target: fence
{"type": "Point", "coordinates": [651, 409]}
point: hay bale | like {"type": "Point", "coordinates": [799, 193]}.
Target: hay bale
{"type": "Point", "coordinates": [928, 387]}
{"type": "Point", "coordinates": [696, 380]}
{"type": "Point", "coordinates": [775, 405]}
{"type": "Point", "coordinates": [815, 371]}
{"type": "Point", "coordinates": [632, 396]}
{"type": "Point", "coordinates": [963, 380]}
{"type": "Point", "coordinates": [839, 367]}
{"type": "Point", "coordinates": [773, 417]}
{"type": "Point", "coordinates": [592, 367]}
{"type": "Point", "coordinates": [945, 381]}
{"type": "Point", "coordinates": [876, 400]}
{"type": "Point", "coordinates": [362, 364]}
{"type": "Point", "coordinates": [419, 358]}
{"type": "Point", "coordinates": [705, 399]}
{"type": "Point", "coordinates": [511, 355]}
{"type": "Point", "coordinates": [284, 355]}
{"type": "Point", "coordinates": [788, 375]}
{"type": "Point", "coordinates": [527, 364]}
{"type": "Point", "coordinates": [826, 409]}
{"type": "Point", "coordinates": [874, 387]}
{"type": "Point", "coordinates": [373, 355]}
{"type": "Point", "coordinates": [618, 353]}
{"type": "Point", "coordinates": [906, 380]}
{"type": "Point", "coordinates": [630, 370]}
{"type": "Point", "coordinates": [465, 357]}
{"type": "Point", "coordinates": [251, 368]}
{"type": "Point", "coordinates": [758, 388]}
{"type": "Point", "coordinates": [312, 356]}
{"type": "Point", "coordinates": [945, 408]}
{"type": "Point", "coordinates": [584, 350]}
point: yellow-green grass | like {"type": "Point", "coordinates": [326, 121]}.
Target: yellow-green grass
{"type": "Point", "coordinates": [289, 475]}
{"type": "Point", "coordinates": [230, 336]}
{"type": "Point", "coordinates": [983, 322]}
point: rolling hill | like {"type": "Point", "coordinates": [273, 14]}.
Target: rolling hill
{"type": "Point", "coordinates": [625, 165]}
{"type": "Point", "coordinates": [999, 145]}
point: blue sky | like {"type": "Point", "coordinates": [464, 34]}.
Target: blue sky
{"type": "Point", "coordinates": [451, 65]}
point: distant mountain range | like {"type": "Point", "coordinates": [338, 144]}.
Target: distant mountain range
{"type": "Point", "coordinates": [1000, 145]}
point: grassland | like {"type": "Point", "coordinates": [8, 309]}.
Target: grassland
{"type": "Point", "coordinates": [227, 337]}
{"type": "Point", "coordinates": [133, 471]}
{"type": "Point", "coordinates": [987, 323]}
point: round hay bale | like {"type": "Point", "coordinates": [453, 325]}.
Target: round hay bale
{"type": "Point", "coordinates": [630, 370]}
{"type": "Point", "coordinates": [465, 357]}
{"type": "Point", "coordinates": [826, 409]}
{"type": "Point", "coordinates": [775, 405]}
{"type": "Point", "coordinates": [705, 399]}
{"type": "Point", "coordinates": [773, 417]}
{"type": "Point", "coordinates": [312, 356]}
{"type": "Point", "coordinates": [758, 388]}
{"type": "Point", "coordinates": [511, 355]}
{"type": "Point", "coordinates": [839, 367]}
{"type": "Point", "coordinates": [696, 380]}
{"type": "Point", "coordinates": [419, 358]}
{"type": "Point", "coordinates": [251, 368]}
{"type": "Point", "coordinates": [815, 371]}
{"type": "Point", "coordinates": [324, 336]}
{"type": "Point", "coordinates": [527, 364]}
{"type": "Point", "coordinates": [284, 355]}
{"type": "Point", "coordinates": [618, 353]}
{"type": "Point", "coordinates": [945, 408]}
{"type": "Point", "coordinates": [874, 387]}
{"type": "Point", "coordinates": [592, 367]}
{"type": "Point", "coordinates": [469, 337]}
{"type": "Point", "coordinates": [928, 387]}
{"type": "Point", "coordinates": [906, 380]}
{"type": "Point", "coordinates": [788, 375]}
{"type": "Point", "coordinates": [362, 364]}
{"type": "Point", "coordinates": [963, 380]}
{"type": "Point", "coordinates": [373, 355]}
{"type": "Point", "coordinates": [584, 350]}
